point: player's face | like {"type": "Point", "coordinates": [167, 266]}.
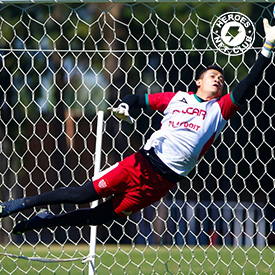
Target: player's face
{"type": "Point", "coordinates": [210, 84]}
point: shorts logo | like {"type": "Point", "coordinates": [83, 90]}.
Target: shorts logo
{"type": "Point", "coordinates": [102, 183]}
{"type": "Point", "coordinates": [233, 33]}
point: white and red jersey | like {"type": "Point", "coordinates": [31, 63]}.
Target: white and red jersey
{"type": "Point", "coordinates": [188, 128]}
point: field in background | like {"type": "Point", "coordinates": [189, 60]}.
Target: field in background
{"type": "Point", "coordinates": [142, 260]}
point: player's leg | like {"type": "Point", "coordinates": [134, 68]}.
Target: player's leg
{"type": "Point", "coordinates": [108, 182]}
{"type": "Point", "coordinates": [81, 194]}
{"type": "Point", "coordinates": [103, 213]}
{"type": "Point", "coordinates": [78, 195]}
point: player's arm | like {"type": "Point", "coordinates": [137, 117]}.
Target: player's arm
{"type": "Point", "coordinates": [241, 92]}
{"type": "Point", "coordinates": [157, 101]}
{"type": "Point", "coordinates": [135, 101]}
{"type": "Point", "coordinates": [128, 102]}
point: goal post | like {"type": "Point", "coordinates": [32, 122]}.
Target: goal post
{"type": "Point", "coordinates": [63, 63]}
{"type": "Point", "coordinates": [98, 148]}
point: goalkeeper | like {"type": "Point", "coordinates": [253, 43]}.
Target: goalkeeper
{"type": "Point", "coordinates": [191, 123]}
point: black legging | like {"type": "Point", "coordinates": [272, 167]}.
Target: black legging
{"type": "Point", "coordinates": [104, 212]}
{"type": "Point", "coordinates": [78, 195]}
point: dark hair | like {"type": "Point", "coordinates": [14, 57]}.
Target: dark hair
{"type": "Point", "coordinates": [211, 67]}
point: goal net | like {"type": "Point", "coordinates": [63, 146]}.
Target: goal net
{"type": "Point", "coordinates": [61, 63]}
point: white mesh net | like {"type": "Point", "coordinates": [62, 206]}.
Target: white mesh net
{"type": "Point", "coordinates": [62, 63]}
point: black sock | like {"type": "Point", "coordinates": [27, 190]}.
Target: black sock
{"type": "Point", "coordinates": [78, 195]}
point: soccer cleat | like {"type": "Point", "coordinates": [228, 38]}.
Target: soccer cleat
{"type": "Point", "coordinates": [9, 207]}
{"type": "Point", "coordinates": [36, 222]}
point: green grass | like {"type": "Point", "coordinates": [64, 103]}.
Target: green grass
{"type": "Point", "coordinates": [126, 259]}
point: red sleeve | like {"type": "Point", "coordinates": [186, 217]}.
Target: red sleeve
{"type": "Point", "coordinates": [159, 101]}
{"type": "Point", "coordinates": [228, 108]}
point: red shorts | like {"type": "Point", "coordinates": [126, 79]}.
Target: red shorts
{"type": "Point", "coordinates": [134, 184]}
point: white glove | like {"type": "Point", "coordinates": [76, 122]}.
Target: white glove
{"type": "Point", "coordinates": [269, 32]}
{"type": "Point", "coordinates": [122, 112]}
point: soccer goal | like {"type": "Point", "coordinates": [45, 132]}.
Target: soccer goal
{"type": "Point", "coordinates": [62, 64]}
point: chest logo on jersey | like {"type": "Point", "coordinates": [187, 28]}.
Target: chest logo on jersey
{"type": "Point", "coordinates": [191, 111]}
{"type": "Point", "coordinates": [184, 100]}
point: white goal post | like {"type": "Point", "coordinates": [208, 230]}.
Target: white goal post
{"type": "Point", "coordinates": [62, 64]}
